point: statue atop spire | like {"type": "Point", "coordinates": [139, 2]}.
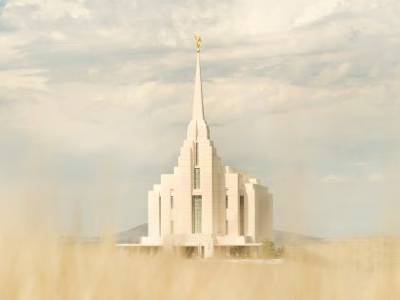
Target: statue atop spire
{"type": "Point", "coordinates": [198, 40]}
{"type": "Point", "coordinates": [198, 126]}
{"type": "Point", "coordinates": [198, 110]}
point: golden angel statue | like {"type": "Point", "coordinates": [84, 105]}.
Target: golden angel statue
{"type": "Point", "coordinates": [198, 40]}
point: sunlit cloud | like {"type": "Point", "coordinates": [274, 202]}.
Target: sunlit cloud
{"type": "Point", "coordinates": [304, 87]}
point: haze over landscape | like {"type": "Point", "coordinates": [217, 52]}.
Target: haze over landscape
{"type": "Point", "coordinates": [95, 97]}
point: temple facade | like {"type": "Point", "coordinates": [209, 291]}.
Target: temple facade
{"type": "Point", "coordinates": [203, 204]}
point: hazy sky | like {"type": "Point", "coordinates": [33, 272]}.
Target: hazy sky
{"type": "Point", "coordinates": [95, 97]}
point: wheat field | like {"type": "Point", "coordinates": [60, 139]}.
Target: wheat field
{"type": "Point", "coordinates": [42, 267]}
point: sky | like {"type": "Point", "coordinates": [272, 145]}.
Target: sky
{"type": "Point", "coordinates": [95, 97]}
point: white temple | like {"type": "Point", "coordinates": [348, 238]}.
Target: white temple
{"type": "Point", "coordinates": [205, 205]}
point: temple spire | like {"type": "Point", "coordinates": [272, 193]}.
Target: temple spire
{"type": "Point", "coordinates": [198, 109]}
{"type": "Point", "coordinates": [198, 128]}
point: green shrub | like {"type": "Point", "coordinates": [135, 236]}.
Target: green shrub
{"type": "Point", "coordinates": [270, 250]}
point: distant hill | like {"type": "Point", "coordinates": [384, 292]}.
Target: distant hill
{"type": "Point", "coordinates": [290, 238]}
{"type": "Point", "coordinates": [134, 234]}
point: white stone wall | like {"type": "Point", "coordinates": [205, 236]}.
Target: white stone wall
{"type": "Point", "coordinates": [232, 191]}
{"type": "Point", "coordinates": [215, 183]}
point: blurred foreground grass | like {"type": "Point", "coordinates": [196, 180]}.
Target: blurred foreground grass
{"type": "Point", "coordinates": [39, 267]}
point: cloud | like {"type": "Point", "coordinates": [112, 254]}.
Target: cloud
{"type": "Point", "coordinates": [32, 79]}
{"type": "Point", "coordinates": [305, 87]}
{"type": "Point", "coordinates": [332, 178]}
{"type": "Point", "coordinates": [376, 177]}
{"type": "Point", "coordinates": [50, 10]}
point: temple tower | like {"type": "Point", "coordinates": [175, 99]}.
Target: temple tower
{"type": "Point", "coordinates": [203, 203]}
